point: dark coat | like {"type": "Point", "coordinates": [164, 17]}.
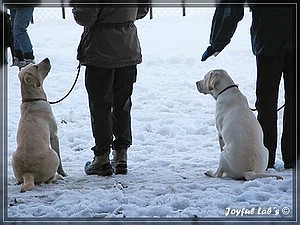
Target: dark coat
{"type": "Point", "coordinates": [272, 30]}
{"type": "Point", "coordinates": [6, 30]}
{"type": "Point", "coordinates": [6, 36]}
{"type": "Point", "coordinates": [110, 37]}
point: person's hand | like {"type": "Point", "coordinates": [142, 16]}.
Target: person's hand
{"type": "Point", "coordinates": [208, 53]}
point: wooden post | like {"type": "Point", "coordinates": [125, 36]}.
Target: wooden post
{"type": "Point", "coordinates": [183, 8]}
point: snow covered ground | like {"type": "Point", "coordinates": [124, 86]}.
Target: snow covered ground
{"type": "Point", "coordinates": [175, 139]}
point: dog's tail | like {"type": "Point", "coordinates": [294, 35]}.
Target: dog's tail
{"type": "Point", "coordinates": [28, 182]}
{"type": "Point", "coordinates": [251, 175]}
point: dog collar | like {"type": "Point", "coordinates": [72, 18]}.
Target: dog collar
{"type": "Point", "coordinates": [225, 89]}
{"type": "Point", "coordinates": [34, 99]}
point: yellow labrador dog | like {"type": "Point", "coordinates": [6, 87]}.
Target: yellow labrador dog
{"type": "Point", "coordinates": [37, 158]}
{"type": "Point", "coordinates": [243, 155]}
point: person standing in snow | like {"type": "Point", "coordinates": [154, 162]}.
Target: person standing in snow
{"type": "Point", "coordinates": [273, 43]}
{"type": "Point", "coordinates": [23, 49]}
{"type": "Point", "coordinates": [110, 50]}
{"type": "Point", "coordinates": [6, 38]}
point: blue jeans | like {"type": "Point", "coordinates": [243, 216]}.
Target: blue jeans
{"type": "Point", "coordinates": [20, 19]}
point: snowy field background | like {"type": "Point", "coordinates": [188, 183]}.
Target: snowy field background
{"type": "Point", "coordinates": [174, 134]}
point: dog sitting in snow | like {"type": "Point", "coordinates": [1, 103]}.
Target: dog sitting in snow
{"type": "Point", "coordinates": [243, 155]}
{"type": "Point", "coordinates": [37, 158]}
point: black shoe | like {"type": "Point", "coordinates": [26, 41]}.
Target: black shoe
{"type": "Point", "coordinates": [92, 168]}
{"type": "Point", "coordinates": [288, 166]}
{"type": "Point", "coordinates": [271, 166]}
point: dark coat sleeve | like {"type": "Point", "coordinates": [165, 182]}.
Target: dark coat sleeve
{"type": "Point", "coordinates": [86, 17]}
{"type": "Point", "coordinates": [142, 12]}
{"type": "Point", "coordinates": [224, 24]}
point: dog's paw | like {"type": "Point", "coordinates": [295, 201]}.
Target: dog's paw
{"type": "Point", "coordinates": [59, 177]}
{"type": "Point", "coordinates": [27, 187]}
{"type": "Point", "coordinates": [209, 173]}
{"type": "Point", "coordinates": [62, 172]}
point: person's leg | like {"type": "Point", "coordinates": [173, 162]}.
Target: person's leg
{"type": "Point", "coordinates": [17, 49]}
{"type": "Point", "coordinates": [269, 70]}
{"type": "Point", "coordinates": [99, 83]}
{"type": "Point", "coordinates": [288, 139]}
{"type": "Point", "coordinates": [123, 87]}
{"type": "Point", "coordinates": [22, 41]}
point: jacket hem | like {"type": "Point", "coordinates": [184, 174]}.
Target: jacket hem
{"type": "Point", "coordinates": [110, 65]}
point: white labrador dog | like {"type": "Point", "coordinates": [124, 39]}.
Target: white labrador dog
{"type": "Point", "coordinates": [243, 155]}
{"type": "Point", "coordinates": [37, 158]}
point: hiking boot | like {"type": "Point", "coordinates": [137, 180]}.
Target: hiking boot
{"type": "Point", "coordinates": [100, 166]}
{"type": "Point", "coordinates": [119, 161]}
{"type": "Point", "coordinates": [28, 61]}
{"type": "Point", "coordinates": [288, 166]}
{"type": "Point", "coordinates": [22, 63]}
{"type": "Point", "coordinates": [28, 58]}
{"type": "Point", "coordinates": [18, 58]}
{"type": "Point", "coordinates": [18, 62]}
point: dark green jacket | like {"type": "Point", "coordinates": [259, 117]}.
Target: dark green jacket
{"type": "Point", "coordinates": [272, 30]}
{"type": "Point", "coordinates": [110, 37]}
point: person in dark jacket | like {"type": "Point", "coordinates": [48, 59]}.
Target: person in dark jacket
{"type": "Point", "coordinates": [110, 50]}
{"type": "Point", "coordinates": [6, 37]}
{"type": "Point", "coordinates": [273, 43]}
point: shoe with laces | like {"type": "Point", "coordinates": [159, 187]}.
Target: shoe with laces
{"type": "Point", "coordinates": [119, 161]}
{"type": "Point", "coordinates": [17, 62]}
{"type": "Point", "coordinates": [28, 61]}
{"type": "Point", "coordinates": [22, 63]}
{"type": "Point", "coordinates": [100, 166]}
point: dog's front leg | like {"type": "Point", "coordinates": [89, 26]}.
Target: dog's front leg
{"type": "Point", "coordinates": [221, 142]}
{"type": "Point", "coordinates": [55, 146]}
{"type": "Point", "coordinates": [218, 173]}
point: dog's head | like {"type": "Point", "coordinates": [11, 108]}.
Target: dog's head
{"type": "Point", "coordinates": [32, 77]}
{"type": "Point", "coordinates": [214, 81]}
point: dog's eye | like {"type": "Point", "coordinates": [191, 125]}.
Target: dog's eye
{"type": "Point", "coordinates": [36, 67]}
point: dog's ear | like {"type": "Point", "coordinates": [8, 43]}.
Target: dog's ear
{"type": "Point", "coordinates": [31, 80]}
{"type": "Point", "coordinates": [213, 81]}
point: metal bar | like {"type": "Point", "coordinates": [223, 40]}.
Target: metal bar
{"type": "Point", "coordinates": [183, 8]}
{"type": "Point", "coordinates": [63, 12]}
{"type": "Point", "coordinates": [151, 13]}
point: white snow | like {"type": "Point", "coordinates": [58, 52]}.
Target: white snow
{"type": "Point", "coordinates": [174, 134]}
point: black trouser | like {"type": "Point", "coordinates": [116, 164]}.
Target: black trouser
{"type": "Point", "coordinates": [109, 93]}
{"type": "Point", "coordinates": [270, 69]}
